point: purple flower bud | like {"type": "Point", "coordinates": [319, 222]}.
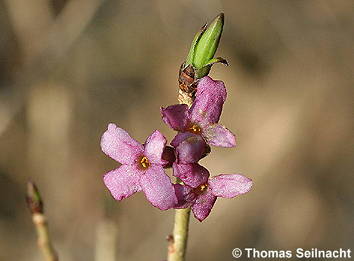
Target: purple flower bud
{"type": "Point", "coordinates": [169, 156]}
{"type": "Point", "coordinates": [191, 148]}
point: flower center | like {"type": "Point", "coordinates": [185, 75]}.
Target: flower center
{"type": "Point", "coordinates": [194, 129]}
{"type": "Point", "coordinates": [144, 162]}
{"type": "Point", "coordinates": [201, 189]}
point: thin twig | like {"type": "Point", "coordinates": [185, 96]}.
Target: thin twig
{"type": "Point", "coordinates": [35, 205]}
{"type": "Point", "coordinates": [44, 241]}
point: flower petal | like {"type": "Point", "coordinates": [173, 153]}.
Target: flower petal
{"type": "Point", "coordinates": [154, 147]}
{"type": "Point", "coordinates": [181, 136]}
{"type": "Point", "coordinates": [192, 175]}
{"type": "Point", "coordinates": [158, 188]}
{"type": "Point", "coordinates": [123, 182]}
{"type": "Point", "coordinates": [117, 144]}
{"type": "Point", "coordinates": [229, 186]}
{"type": "Point", "coordinates": [207, 106]}
{"type": "Point", "coordinates": [203, 205]}
{"type": "Point", "coordinates": [185, 196]}
{"type": "Point", "coordinates": [218, 135]}
{"type": "Point", "coordinates": [175, 116]}
{"type": "Point", "coordinates": [191, 150]}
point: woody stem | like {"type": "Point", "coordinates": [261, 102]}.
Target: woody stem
{"type": "Point", "coordinates": [44, 242]}
{"type": "Point", "coordinates": [178, 245]}
{"type": "Point", "coordinates": [35, 205]}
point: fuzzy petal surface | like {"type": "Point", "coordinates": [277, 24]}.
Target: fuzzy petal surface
{"type": "Point", "coordinates": [117, 144]}
{"type": "Point", "coordinates": [123, 182]}
{"type": "Point", "coordinates": [203, 205]}
{"type": "Point", "coordinates": [192, 174]}
{"type": "Point", "coordinates": [176, 116]}
{"type": "Point", "coordinates": [154, 147]}
{"type": "Point", "coordinates": [158, 188]}
{"type": "Point", "coordinates": [181, 136]}
{"type": "Point", "coordinates": [210, 98]}
{"type": "Point", "coordinates": [191, 150]}
{"type": "Point", "coordinates": [219, 136]}
{"type": "Point", "coordinates": [230, 185]}
{"type": "Point", "coordinates": [185, 196]}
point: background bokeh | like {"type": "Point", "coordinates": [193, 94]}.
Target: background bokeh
{"type": "Point", "coordinates": [69, 67]}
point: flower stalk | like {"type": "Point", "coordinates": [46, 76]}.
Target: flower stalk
{"type": "Point", "coordinates": [35, 205]}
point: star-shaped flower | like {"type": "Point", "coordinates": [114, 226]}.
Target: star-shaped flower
{"type": "Point", "coordinates": [203, 116]}
{"type": "Point", "coordinates": [202, 198]}
{"type": "Point", "coordinates": [142, 167]}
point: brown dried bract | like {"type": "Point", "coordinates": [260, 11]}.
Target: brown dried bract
{"type": "Point", "coordinates": [187, 79]}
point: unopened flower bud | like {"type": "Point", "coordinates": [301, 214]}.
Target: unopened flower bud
{"type": "Point", "coordinates": [201, 55]}
{"type": "Point", "coordinates": [33, 199]}
{"type": "Point", "coordinates": [204, 46]}
{"type": "Point", "coordinates": [169, 156]}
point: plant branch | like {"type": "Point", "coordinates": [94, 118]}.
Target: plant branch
{"type": "Point", "coordinates": [35, 205]}
{"type": "Point", "coordinates": [178, 242]}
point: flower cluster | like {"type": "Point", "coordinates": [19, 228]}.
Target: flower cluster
{"type": "Point", "coordinates": [143, 165]}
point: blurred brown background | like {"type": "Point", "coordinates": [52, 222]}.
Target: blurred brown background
{"type": "Point", "coordinates": [69, 67]}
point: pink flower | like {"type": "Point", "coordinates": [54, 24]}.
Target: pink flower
{"type": "Point", "coordinates": [141, 169]}
{"type": "Point", "coordinates": [203, 117]}
{"type": "Point", "coordinates": [202, 198]}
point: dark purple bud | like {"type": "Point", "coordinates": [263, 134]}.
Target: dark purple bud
{"type": "Point", "coordinates": [168, 155]}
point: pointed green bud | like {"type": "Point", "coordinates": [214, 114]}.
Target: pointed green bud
{"type": "Point", "coordinates": [208, 42]}
{"type": "Point", "coordinates": [33, 199]}
{"type": "Point", "coordinates": [190, 57]}
{"type": "Point", "coordinates": [201, 55]}
{"type": "Point", "coordinates": [204, 46]}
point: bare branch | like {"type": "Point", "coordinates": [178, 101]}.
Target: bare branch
{"type": "Point", "coordinates": [35, 205]}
